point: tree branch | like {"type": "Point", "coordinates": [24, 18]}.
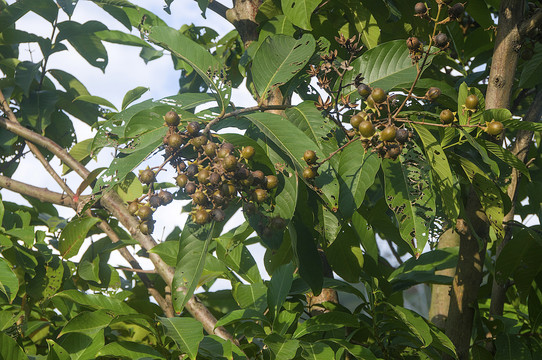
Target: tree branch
{"type": "Point", "coordinates": [218, 8]}
{"type": "Point", "coordinates": [42, 194]}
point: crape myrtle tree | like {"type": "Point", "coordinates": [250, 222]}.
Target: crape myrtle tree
{"type": "Point", "coordinates": [413, 123]}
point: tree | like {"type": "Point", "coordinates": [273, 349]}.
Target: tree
{"type": "Point", "coordinates": [414, 132]}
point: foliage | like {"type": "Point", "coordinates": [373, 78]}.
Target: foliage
{"type": "Point", "coordinates": [397, 187]}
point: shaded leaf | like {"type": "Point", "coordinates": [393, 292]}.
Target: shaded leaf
{"type": "Point", "coordinates": [278, 287]}
{"type": "Point", "coordinates": [186, 332]}
{"type": "Point", "coordinates": [72, 236]}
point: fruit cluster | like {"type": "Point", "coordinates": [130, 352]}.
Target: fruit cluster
{"type": "Point", "coordinates": [212, 174]}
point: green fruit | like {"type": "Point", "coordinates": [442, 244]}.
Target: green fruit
{"type": "Point", "coordinates": [433, 93]}
{"type": "Point", "coordinates": [203, 176]}
{"type": "Point", "coordinates": [172, 118]}
{"type": "Point", "coordinates": [446, 116]}
{"type": "Point", "coordinates": [145, 212]}
{"type": "Point", "coordinates": [471, 102]}
{"type": "Point", "coordinates": [272, 182]}
{"type": "Point", "coordinates": [230, 162]}
{"type": "Point", "coordinates": [366, 128]}
{"type": "Point", "coordinates": [175, 141]}
{"type": "Point", "coordinates": [132, 207]}
{"type": "Point", "coordinates": [199, 141]}
{"type": "Point", "coordinates": [356, 119]}
{"type": "Point", "coordinates": [388, 134]}
{"type": "Point", "coordinates": [370, 102]}
{"type": "Point", "coordinates": [379, 95]}
{"type": "Point", "coordinates": [218, 198]}
{"type": "Point", "coordinates": [181, 180]}
{"type": "Point", "coordinates": [199, 198]}
{"type": "Point", "coordinates": [209, 149]}
{"type": "Point", "coordinates": [193, 128]}
{"type": "Point", "coordinates": [201, 217]}
{"type": "Point", "coordinates": [309, 173]}
{"type": "Point", "coordinates": [310, 157]}
{"type": "Point", "coordinates": [146, 176]}
{"type": "Point", "coordinates": [259, 195]}
{"type": "Point", "coordinates": [364, 90]}
{"type": "Point", "coordinates": [146, 227]}
{"type": "Point", "coordinates": [248, 152]}
{"type": "Point", "coordinates": [495, 128]}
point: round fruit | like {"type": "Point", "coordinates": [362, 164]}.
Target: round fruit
{"type": "Point", "coordinates": [364, 90]}
{"type": "Point", "coordinates": [203, 176]}
{"type": "Point", "coordinates": [218, 215]}
{"type": "Point", "coordinates": [446, 116]}
{"type": "Point", "coordinates": [441, 40]}
{"type": "Point", "coordinates": [413, 43]}
{"type": "Point", "coordinates": [248, 181]}
{"type": "Point", "coordinates": [388, 134]}
{"type": "Point", "coordinates": [433, 93]}
{"type": "Point", "coordinates": [309, 173]}
{"type": "Point", "coordinates": [402, 135]}
{"type": "Point", "coordinates": [165, 196]}
{"type": "Point", "coordinates": [259, 195]}
{"type": "Point", "coordinates": [230, 162]}
{"type": "Point", "coordinates": [199, 198]}
{"type": "Point", "coordinates": [471, 102]}
{"type": "Point", "coordinates": [155, 201]}
{"type": "Point", "coordinates": [228, 146]}
{"type": "Point", "coordinates": [146, 227]}
{"type": "Point", "coordinates": [357, 118]}
{"type": "Point", "coordinates": [145, 212]}
{"type": "Point", "coordinates": [379, 95]}
{"type": "Point", "coordinates": [172, 118]}
{"type": "Point", "coordinates": [272, 182]}
{"type": "Point", "coordinates": [199, 141]}
{"type": "Point", "coordinates": [214, 178]}
{"type": "Point", "coordinates": [227, 190]}
{"type": "Point", "coordinates": [258, 176]}
{"type": "Point", "coordinates": [495, 128]}
{"type": "Point", "coordinates": [146, 176]}
{"type": "Point", "coordinates": [201, 217]}
{"type": "Point", "coordinates": [394, 152]}
{"type": "Point", "coordinates": [222, 153]}
{"type": "Point", "coordinates": [456, 10]}
{"type": "Point", "coordinates": [241, 172]}
{"type": "Point", "coordinates": [193, 128]}
{"type": "Point", "coordinates": [209, 149]}
{"type": "Point", "coordinates": [175, 141]}
{"type": "Point", "coordinates": [218, 198]}
{"type": "Point", "coordinates": [248, 152]}
{"type": "Point", "coordinates": [181, 166]}
{"type": "Point", "coordinates": [181, 180]}
{"type": "Point", "coordinates": [370, 102]}
{"type": "Point", "coordinates": [191, 170]}
{"type": "Point", "coordinates": [366, 128]}
{"type": "Point", "coordinates": [132, 207]}
{"type": "Point", "coordinates": [420, 8]}
{"type": "Point", "coordinates": [309, 156]}
{"type": "Point", "coordinates": [190, 188]}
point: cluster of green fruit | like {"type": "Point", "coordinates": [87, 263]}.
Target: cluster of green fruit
{"type": "Point", "coordinates": [211, 174]}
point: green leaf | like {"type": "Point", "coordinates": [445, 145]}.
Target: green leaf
{"type": "Point", "coordinates": [119, 37]}
{"type": "Point", "coordinates": [84, 41]}
{"type": "Point", "coordinates": [317, 351]}
{"type": "Point", "coordinates": [83, 346]}
{"type": "Point", "coordinates": [325, 322]}
{"type": "Point", "coordinates": [506, 156]}
{"type": "Point", "coordinates": [193, 247]}
{"type": "Point", "coordinates": [357, 172]}
{"type": "Point", "coordinates": [482, 151]}
{"type": "Point", "coordinates": [531, 75]}
{"type": "Point", "coordinates": [462, 113]}
{"type": "Point", "coordinates": [238, 258]}
{"type": "Point", "coordinates": [196, 56]}
{"type": "Point", "coordinates": [81, 152]}
{"type": "Point", "coordinates": [242, 314]}
{"type": "Point", "coordinates": [252, 296]}
{"type": "Point", "coordinates": [88, 322]}
{"type": "Point", "coordinates": [299, 11]}
{"type": "Point", "coordinates": [25, 73]}
{"type": "Point", "coordinates": [56, 352]}
{"type": "Point", "coordinates": [358, 351]}
{"type": "Point", "coordinates": [68, 6]}
{"type": "Point", "coordinates": [282, 348]}
{"type": "Point", "coordinates": [9, 284]}
{"type": "Point", "coordinates": [409, 195]}
{"type": "Point", "coordinates": [510, 347]}
{"type": "Point", "coordinates": [186, 332]}
{"type": "Point", "coordinates": [442, 174]}
{"type": "Point", "coordinates": [72, 236]}
{"type": "Point", "coordinates": [95, 100]}
{"type": "Point", "coordinates": [294, 142]}
{"type": "Point", "coordinates": [129, 350]}
{"type": "Point", "coordinates": [278, 287]}
{"type": "Point", "coordinates": [9, 349]}
{"type": "Point", "coordinates": [365, 23]}
{"type": "Point", "coordinates": [168, 251]}
{"type": "Point", "coordinates": [491, 197]}
{"type": "Point", "coordinates": [306, 253]}
{"type": "Point", "coordinates": [415, 324]}
{"type": "Point", "coordinates": [133, 95]}
{"type": "Point", "coordinates": [366, 235]}
{"type": "Point", "coordinates": [130, 188]}
{"type": "Point", "coordinates": [278, 59]}
{"type": "Point", "coordinates": [97, 302]}
{"type": "Point", "coordinates": [345, 255]}
{"type": "Point", "coordinates": [535, 304]}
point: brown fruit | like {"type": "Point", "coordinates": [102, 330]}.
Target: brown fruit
{"type": "Point", "coordinates": [230, 162]}
{"type": "Point", "coordinates": [218, 198]}
{"type": "Point", "coordinates": [215, 178]}
{"type": "Point", "coordinates": [258, 176]}
{"type": "Point", "coordinates": [191, 170]}
{"type": "Point", "coordinates": [218, 215]}
{"type": "Point", "coordinates": [309, 156]}
{"type": "Point", "coordinates": [272, 182]}
{"type": "Point", "coordinates": [181, 180]}
{"type": "Point", "coordinates": [402, 135]}
{"type": "Point", "coordinates": [413, 43]}
{"type": "Point", "coordinates": [190, 188]}
{"type": "Point", "coordinates": [172, 118]}
{"type": "Point", "coordinates": [155, 201]}
{"type": "Point", "coordinates": [165, 196]}
{"type": "Point", "coordinates": [364, 90]}
{"type": "Point", "coordinates": [146, 227]}
{"type": "Point", "coordinates": [388, 134]}
{"type": "Point", "coordinates": [199, 198]}
{"type": "Point", "coordinates": [228, 146]}
{"type": "Point", "coordinates": [132, 207]}
{"type": "Point", "coordinates": [379, 95]}
{"type": "Point", "coordinates": [420, 8]}
{"type": "Point", "coordinates": [193, 128]}
{"type": "Point", "coordinates": [145, 212]}
{"type": "Point", "coordinates": [241, 172]}
{"type": "Point", "coordinates": [259, 195]}
{"type": "Point", "coordinates": [471, 102]}
{"type": "Point", "coordinates": [441, 40]}
{"type": "Point", "coordinates": [456, 10]}
{"type": "Point", "coordinates": [366, 128]}
{"type": "Point", "coordinates": [446, 116]}
{"type": "Point", "coordinates": [201, 217]}
{"type": "Point", "coordinates": [146, 176]}
{"type": "Point", "coordinates": [309, 173]}
{"type": "Point", "coordinates": [433, 93]}
{"type": "Point", "coordinates": [495, 128]}
{"type": "Point", "coordinates": [175, 141]}
{"type": "Point", "coordinates": [209, 149]}
{"type": "Point", "coordinates": [248, 152]}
